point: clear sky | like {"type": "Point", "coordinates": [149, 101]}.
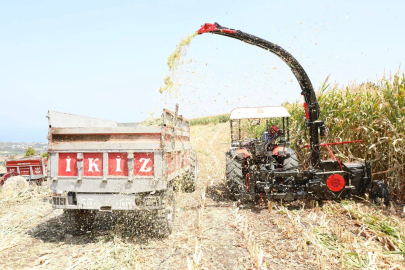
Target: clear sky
{"type": "Point", "coordinates": [107, 59]}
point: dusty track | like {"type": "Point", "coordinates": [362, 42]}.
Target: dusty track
{"type": "Point", "coordinates": [210, 232]}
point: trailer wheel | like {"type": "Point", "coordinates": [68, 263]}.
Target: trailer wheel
{"type": "Point", "coordinates": [291, 161]}
{"type": "Point", "coordinates": [163, 219]}
{"type": "Point", "coordinates": [190, 181]}
{"type": "Point", "coordinates": [379, 192]}
{"type": "Point", "coordinates": [234, 177]}
{"type": "Point", "coordinates": [81, 219]}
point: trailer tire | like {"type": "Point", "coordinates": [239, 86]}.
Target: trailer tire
{"type": "Point", "coordinates": [190, 181]}
{"type": "Point", "coordinates": [234, 177]}
{"type": "Point", "coordinates": [163, 219]}
{"type": "Point", "coordinates": [379, 193]}
{"type": "Point", "coordinates": [81, 219]}
{"type": "Point", "coordinates": [291, 161]}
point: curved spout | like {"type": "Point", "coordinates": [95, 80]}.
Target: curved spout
{"type": "Point", "coordinates": [311, 104]}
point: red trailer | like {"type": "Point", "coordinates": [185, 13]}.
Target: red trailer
{"type": "Point", "coordinates": [31, 168]}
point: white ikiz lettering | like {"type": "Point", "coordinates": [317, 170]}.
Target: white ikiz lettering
{"type": "Point", "coordinates": [143, 167]}
{"type": "Point", "coordinates": [68, 164]}
{"type": "Point", "coordinates": [93, 165]}
{"type": "Point", "coordinates": [118, 169]}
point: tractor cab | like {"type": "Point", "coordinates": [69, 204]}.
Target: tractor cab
{"type": "Point", "coordinates": [255, 115]}
{"type": "Point", "coordinates": [274, 138]}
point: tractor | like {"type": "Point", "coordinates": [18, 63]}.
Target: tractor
{"type": "Point", "coordinates": [260, 168]}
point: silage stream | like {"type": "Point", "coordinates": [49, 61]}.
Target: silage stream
{"type": "Point", "coordinates": [174, 60]}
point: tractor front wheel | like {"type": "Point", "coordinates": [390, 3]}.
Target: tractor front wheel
{"type": "Point", "coordinates": [291, 161]}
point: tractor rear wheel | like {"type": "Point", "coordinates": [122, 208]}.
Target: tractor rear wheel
{"type": "Point", "coordinates": [234, 177]}
{"type": "Point", "coordinates": [291, 162]}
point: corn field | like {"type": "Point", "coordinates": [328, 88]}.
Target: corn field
{"type": "Point", "coordinates": [372, 112]}
{"type": "Point", "coordinates": [215, 119]}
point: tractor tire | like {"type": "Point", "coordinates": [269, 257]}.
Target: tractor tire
{"type": "Point", "coordinates": [291, 162]}
{"type": "Point", "coordinates": [379, 193]}
{"type": "Point", "coordinates": [234, 177]}
{"type": "Point", "coordinates": [81, 220]}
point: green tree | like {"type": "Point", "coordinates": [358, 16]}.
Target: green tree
{"type": "Point", "coordinates": [29, 152]}
{"type": "Point", "coordinates": [45, 155]}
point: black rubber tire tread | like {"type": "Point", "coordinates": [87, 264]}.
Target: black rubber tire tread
{"type": "Point", "coordinates": [291, 161]}
{"type": "Point", "coordinates": [161, 225]}
{"type": "Point", "coordinates": [234, 177]}
{"type": "Point", "coordinates": [379, 192]}
{"type": "Point", "coordinates": [190, 181]}
{"type": "Point", "coordinates": [82, 220]}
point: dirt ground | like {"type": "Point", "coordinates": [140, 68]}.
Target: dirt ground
{"type": "Point", "coordinates": [210, 231]}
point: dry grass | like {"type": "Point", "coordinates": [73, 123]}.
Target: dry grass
{"type": "Point", "coordinates": [151, 121]}
{"type": "Point", "coordinates": [13, 186]}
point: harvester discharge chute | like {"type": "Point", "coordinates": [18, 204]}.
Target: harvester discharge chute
{"type": "Point", "coordinates": [312, 106]}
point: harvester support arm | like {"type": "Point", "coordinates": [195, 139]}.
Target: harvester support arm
{"type": "Point", "coordinates": [311, 104]}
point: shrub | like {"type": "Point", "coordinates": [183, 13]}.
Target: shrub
{"type": "Point", "coordinates": [216, 119]}
{"type": "Point", "coordinates": [29, 152]}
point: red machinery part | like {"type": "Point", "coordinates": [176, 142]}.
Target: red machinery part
{"type": "Point", "coordinates": [208, 27]}
{"type": "Point", "coordinates": [214, 27]}
{"type": "Point", "coordinates": [336, 182]}
{"type": "Point", "coordinates": [306, 110]}
{"type": "Point", "coordinates": [335, 143]}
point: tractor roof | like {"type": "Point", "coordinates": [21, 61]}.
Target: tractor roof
{"type": "Point", "coordinates": [259, 112]}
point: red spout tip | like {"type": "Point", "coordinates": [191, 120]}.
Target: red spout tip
{"type": "Point", "coordinates": [208, 27]}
